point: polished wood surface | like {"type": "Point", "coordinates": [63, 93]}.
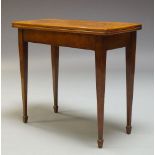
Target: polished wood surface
{"type": "Point", "coordinates": [78, 26]}
{"type": "Point", "coordinates": [74, 35]}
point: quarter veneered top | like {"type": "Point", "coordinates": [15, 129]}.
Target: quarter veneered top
{"type": "Point", "coordinates": [78, 26]}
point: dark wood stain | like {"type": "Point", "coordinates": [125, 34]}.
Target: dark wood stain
{"type": "Point", "coordinates": [55, 70]}
{"type": "Point", "coordinates": [99, 39]}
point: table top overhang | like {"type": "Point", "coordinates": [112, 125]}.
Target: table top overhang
{"type": "Point", "coordinates": [78, 26]}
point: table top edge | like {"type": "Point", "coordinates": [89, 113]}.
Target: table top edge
{"type": "Point", "coordinates": [137, 26]}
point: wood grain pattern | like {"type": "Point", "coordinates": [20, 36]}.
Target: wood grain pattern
{"type": "Point", "coordinates": [78, 26]}
{"type": "Point", "coordinates": [97, 36]}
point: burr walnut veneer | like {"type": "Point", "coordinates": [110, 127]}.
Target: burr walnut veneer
{"type": "Point", "coordinates": [97, 36]}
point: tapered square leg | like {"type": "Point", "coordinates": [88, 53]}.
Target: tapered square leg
{"type": "Point", "coordinates": [130, 70]}
{"type": "Point", "coordinates": [100, 60]}
{"type": "Point", "coordinates": [23, 56]}
{"type": "Point", "coordinates": [55, 71]}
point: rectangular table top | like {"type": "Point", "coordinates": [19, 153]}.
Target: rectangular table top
{"type": "Point", "coordinates": [78, 26]}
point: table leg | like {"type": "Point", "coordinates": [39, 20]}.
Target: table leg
{"type": "Point", "coordinates": [130, 70]}
{"type": "Point", "coordinates": [100, 60]}
{"type": "Point", "coordinates": [23, 55]}
{"type": "Point", "coordinates": [55, 71]}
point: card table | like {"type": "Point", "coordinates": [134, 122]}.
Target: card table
{"type": "Point", "coordinates": [97, 36]}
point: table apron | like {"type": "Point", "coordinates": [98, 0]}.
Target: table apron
{"type": "Point", "coordinates": [75, 40]}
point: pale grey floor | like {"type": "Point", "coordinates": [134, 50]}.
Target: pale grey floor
{"type": "Point", "coordinates": [74, 129]}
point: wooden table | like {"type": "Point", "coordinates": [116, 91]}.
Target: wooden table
{"type": "Point", "coordinates": [92, 35]}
